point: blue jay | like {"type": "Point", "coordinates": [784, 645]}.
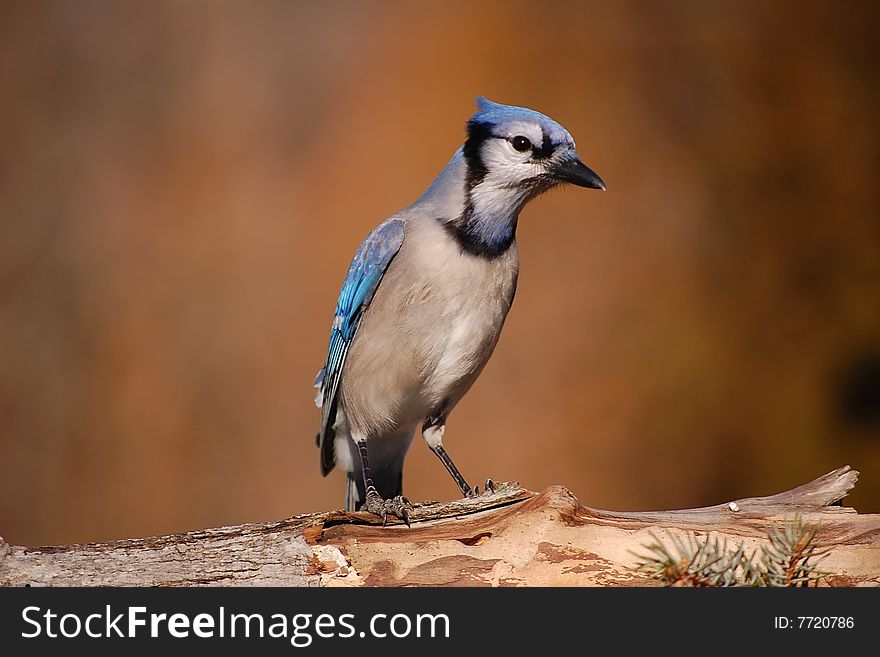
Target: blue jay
{"type": "Point", "coordinates": [426, 295]}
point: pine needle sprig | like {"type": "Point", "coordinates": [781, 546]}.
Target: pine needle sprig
{"type": "Point", "coordinates": [792, 555]}
{"type": "Point", "coordinates": [789, 558]}
{"type": "Point", "coordinates": [692, 562]}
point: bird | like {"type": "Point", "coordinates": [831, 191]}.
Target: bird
{"type": "Point", "coordinates": [424, 301]}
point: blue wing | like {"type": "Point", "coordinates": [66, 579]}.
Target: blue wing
{"type": "Point", "coordinates": [364, 275]}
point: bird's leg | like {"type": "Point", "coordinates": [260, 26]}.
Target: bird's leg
{"type": "Point", "coordinates": [398, 506]}
{"type": "Point", "coordinates": [432, 430]}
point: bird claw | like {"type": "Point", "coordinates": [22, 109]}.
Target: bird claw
{"type": "Point", "coordinates": [399, 507]}
{"type": "Point", "coordinates": [475, 491]}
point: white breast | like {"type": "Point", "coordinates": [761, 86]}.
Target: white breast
{"type": "Point", "coordinates": [469, 341]}
{"type": "Point", "coordinates": [472, 296]}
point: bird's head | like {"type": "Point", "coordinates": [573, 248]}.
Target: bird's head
{"type": "Point", "coordinates": [520, 152]}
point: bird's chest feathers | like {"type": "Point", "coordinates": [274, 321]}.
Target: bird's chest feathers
{"type": "Point", "coordinates": [465, 341]}
{"type": "Point", "coordinates": [469, 300]}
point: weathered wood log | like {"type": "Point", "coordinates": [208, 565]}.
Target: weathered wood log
{"type": "Point", "coordinates": [512, 537]}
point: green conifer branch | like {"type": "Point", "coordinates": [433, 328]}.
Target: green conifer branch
{"type": "Point", "coordinates": [789, 558]}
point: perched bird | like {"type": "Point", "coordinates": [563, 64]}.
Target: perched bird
{"type": "Point", "coordinates": [426, 295]}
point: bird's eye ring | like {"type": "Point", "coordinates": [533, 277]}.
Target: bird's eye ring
{"type": "Point", "coordinates": [520, 143]}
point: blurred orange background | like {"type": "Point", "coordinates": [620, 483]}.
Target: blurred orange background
{"type": "Point", "coordinates": [183, 185]}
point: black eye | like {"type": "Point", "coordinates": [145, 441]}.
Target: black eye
{"type": "Point", "coordinates": [521, 144]}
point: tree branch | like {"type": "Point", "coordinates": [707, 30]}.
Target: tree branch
{"type": "Point", "coordinates": [511, 537]}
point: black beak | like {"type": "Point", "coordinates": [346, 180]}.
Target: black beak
{"type": "Point", "coordinates": [577, 173]}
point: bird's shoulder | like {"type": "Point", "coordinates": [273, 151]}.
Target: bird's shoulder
{"type": "Point", "coordinates": [369, 263]}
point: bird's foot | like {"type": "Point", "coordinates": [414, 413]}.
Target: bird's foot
{"type": "Point", "coordinates": [397, 506]}
{"type": "Point", "coordinates": [475, 491]}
